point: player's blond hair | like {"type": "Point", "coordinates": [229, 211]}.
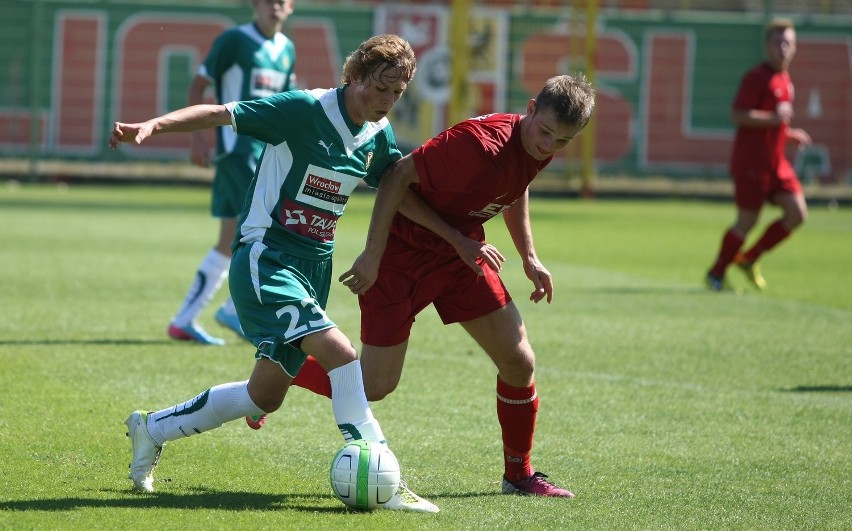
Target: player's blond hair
{"type": "Point", "coordinates": [779, 25]}
{"type": "Point", "coordinates": [377, 56]}
{"type": "Point", "coordinates": [571, 98]}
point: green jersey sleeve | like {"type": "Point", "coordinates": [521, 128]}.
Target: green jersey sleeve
{"type": "Point", "coordinates": [222, 54]}
{"type": "Point", "coordinates": [388, 153]}
{"type": "Point", "coordinates": [274, 119]}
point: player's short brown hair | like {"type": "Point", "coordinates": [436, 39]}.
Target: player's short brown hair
{"type": "Point", "coordinates": [571, 98]}
{"type": "Point", "coordinates": [377, 55]}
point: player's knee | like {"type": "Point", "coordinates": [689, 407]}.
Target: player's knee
{"type": "Point", "coordinates": [378, 391]}
{"type": "Point", "coordinates": [795, 219]}
{"type": "Point", "coordinates": [520, 366]}
{"type": "Point", "coordinates": [268, 403]}
{"type": "Point", "coordinates": [802, 216]}
{"type": "Point", "coordinates": [267, 399]}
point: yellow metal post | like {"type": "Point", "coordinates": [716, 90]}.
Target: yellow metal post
{"type": "Point", "coordinates": [460, 53]}
{"type": "Point", "coordinates": [589, 134]}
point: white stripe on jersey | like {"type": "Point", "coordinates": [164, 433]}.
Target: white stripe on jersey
{"type": "Point", "coordinates": [271, 173]}
{"type": "Point", "coordinates": [274, 47]}
{"type": "Point", "coordinates": [257, 249]}
{"type": "Point", "coordinates": [328, 99]}
{"type": "Point", "coordinates": [232, 84]}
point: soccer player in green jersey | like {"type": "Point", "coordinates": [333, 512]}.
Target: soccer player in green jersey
{"type": "Point", "coordinates": [246, 62]}
{"type": "Point", "coordinates": [319, 145]}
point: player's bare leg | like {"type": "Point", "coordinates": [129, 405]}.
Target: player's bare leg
{"type": "Point", "coordinates": [794, 213]}
{"type": "Point", "coordinates": [732, 241]}
{"type": "Point", "coordinates": [504, 338]}
{"type": "Point", "coordinates": [382, 368]}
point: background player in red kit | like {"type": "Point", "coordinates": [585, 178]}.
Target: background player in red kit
{"type": "Point", "coordinates": [466, 175]}
{"type": "Point", "coordinates": [763, 108]}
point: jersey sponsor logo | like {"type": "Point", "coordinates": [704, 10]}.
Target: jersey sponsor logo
{"type": "Point", "coordinates": [266, 82]}
{"type": "Point", "coordinates": [294, 217]}
{"type": "Point", "coordinates": [327, 147]}
{"type": "Point", "coordinates": [488, 211]}
{"type": "Point", "coordinates": [315, 181]}
{"type": "Point", "coordinates": [314, 224]}
{"type": "Point", "coordinates": [326, 189]}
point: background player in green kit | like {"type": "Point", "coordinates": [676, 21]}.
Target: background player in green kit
{"type": "Point", "coordinates": [319, 145]}
{"type": "Point", "coordinates": [245, 62]}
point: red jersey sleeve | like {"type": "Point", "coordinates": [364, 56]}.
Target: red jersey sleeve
{"type": "Point", "coordinates": [449, 162]}
{"type": "Point", "coordinates": [750, 91]}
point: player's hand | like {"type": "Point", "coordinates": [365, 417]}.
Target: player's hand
{"type": "Point", "coordinates": [199, 152]}
{"type": "Point", "coordinates": [125, 133]}
{"type": "Point", "coordinates": [362, 275]}
{"type": "Point", "coordinates": [784, 112]}
{"type": "Point", "coordinates": [541, 279]}
{"type": "Point", "coordinates": [799, 136]}
{"type": "Point", "coordinates": [474, 253]}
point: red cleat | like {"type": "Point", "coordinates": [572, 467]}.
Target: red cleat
{"type": "Point", "coordinates": [255, 422]}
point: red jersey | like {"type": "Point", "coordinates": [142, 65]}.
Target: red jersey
{"type": "Point", "coordinates": [469, 174]}
{"type": "Point", "coordinates": [760, 150]}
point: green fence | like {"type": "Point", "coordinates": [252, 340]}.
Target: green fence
{"type": "Point", "coordinates": [665, 79]}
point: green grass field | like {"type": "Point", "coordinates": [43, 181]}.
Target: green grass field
{"type": "Point", "coordinates": [663, 406]}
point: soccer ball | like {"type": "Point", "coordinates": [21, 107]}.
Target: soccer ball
{"type": "Point", "coordinates": [364, 474]}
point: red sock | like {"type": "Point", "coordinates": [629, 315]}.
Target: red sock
{"type": "Point", "coordinates": [313, 378]}
{"type": "Point", "coordinates": [731, 243]}
{"type": "Point", "coordinates": [774, 234]}
{"type": "Point", "coordinates": [516, 412]}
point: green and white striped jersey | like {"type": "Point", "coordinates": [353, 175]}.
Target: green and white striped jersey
{"type": "Point", "coordinates": [313, 160]}
{"type": "Point", "coordinates": [245, 65]}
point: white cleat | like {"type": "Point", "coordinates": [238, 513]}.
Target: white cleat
{"type": "Point", "coordinates": [145, 452]}
{"type": "Point", "coordinates": [405, 500]}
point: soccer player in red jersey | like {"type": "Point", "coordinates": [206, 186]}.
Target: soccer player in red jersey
{"type": "Point", "coordinates": [467, 174]}
{"type": "Point", "coordinates": [762, 110]}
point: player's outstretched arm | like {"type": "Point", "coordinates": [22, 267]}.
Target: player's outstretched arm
{"type": "Point", "coordinates": [199, 151]}
{"type": "Point", "coordinates": [517, 219]}
{"type": "Point", "coordinates": [188, 119]}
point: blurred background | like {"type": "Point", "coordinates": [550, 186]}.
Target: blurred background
{"type": "Point", "coordinates": [665, 70]}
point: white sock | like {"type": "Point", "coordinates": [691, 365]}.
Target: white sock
{"type": "Point", "coordinates": [205, 412]}
{"type": "Point", "coordinates": [208, 279]}
{"type": "Point", "coordinates": [351, 412]}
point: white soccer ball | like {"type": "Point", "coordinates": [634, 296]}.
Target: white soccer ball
{"type": "Point", "coordinates": [364, 474]}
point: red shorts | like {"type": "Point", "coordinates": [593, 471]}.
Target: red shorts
{"type": "Point", "coordinates": [411, 279]}
{"type": "Point", "coordinates": [755, 187]}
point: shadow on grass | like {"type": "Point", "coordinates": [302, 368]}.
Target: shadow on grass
{"type": "Point", "coordinates": [817, 389]}
{"type": "Point", "coordinates": [200, 498]}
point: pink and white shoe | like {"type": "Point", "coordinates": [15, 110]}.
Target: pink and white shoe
{"type": "Point", "coordinates": [535, 485]}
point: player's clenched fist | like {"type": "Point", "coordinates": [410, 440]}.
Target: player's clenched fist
{"type": "Point", "coordinates": [135, 133]}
